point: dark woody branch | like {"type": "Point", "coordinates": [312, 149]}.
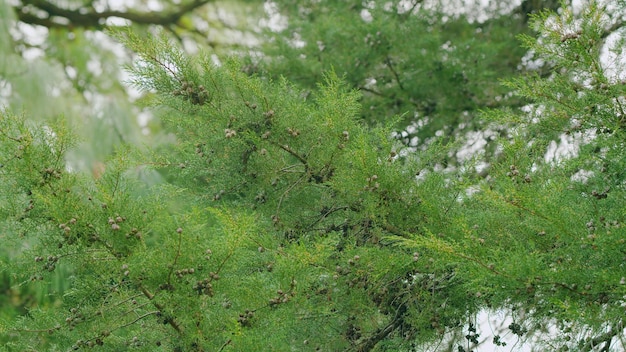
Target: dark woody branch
{"type": "Point", "coordinates": [47, 13]}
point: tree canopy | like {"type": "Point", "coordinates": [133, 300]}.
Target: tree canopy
{"type": "Point", "coordinates": [364, 177]}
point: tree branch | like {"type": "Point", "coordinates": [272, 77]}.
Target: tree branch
{"type": "Point", "coordinates": [395, 74]}
{"type": "Point", "coordinates": [381, 334]}
{"type": "Point", "coordinates": [605, 338]}
{"type": "Point", "coordinates": [93, 19]}
{"type": "Point", "coordinates": [171, 321]}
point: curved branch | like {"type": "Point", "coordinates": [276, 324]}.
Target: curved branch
{"type": "Point", "coordinates": [94, 19]}
{"type": "Point", "coordinates": [380, 334]}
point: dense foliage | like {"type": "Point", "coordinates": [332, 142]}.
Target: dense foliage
{"type": "Point", "coordinates": [435, 71]}
{"type": "Point", "coordinates": [280, 213]}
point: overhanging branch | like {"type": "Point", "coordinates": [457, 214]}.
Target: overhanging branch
{"type": "Point", "coordinates": [46, 13]}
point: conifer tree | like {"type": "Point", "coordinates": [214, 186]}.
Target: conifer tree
{"type": "Point", "coordinates": [278, 220]}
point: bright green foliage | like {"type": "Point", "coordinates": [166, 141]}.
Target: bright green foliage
{"type": "Point", "coordinates": [276, 208]}
{"type": "Point", "coordinates": [277, 221]}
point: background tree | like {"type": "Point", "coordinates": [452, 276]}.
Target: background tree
{"type": "Point", "coordinates": [56, 54]}
{"type": "Point", "coordinates": [436, 66]}
{"type": "Point", "coordinates": [278, 219]}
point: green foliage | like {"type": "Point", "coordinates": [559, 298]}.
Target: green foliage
{"type": "Point", "coordinates": [277, 220]}
{"type": "Point", "coordinates": [435, 70]}
{"type": "Point", "coordinates": [305, 192]}
{"type": "Point", "coordinates": [551, 230]}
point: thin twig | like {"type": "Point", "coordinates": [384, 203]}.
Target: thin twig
{"type": "Point", "coordinates": [169, 275]}
{"type": "Point", "coordinates": [282, 197]}
{"type": "Point", "coordinates": [225, 344]}
{"type": "Point", "coordinates": [390, 65]}
{"type": "Point", "coordinates": [137, 319]}
{"type": "Point", "coordinates": [170, 320]}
